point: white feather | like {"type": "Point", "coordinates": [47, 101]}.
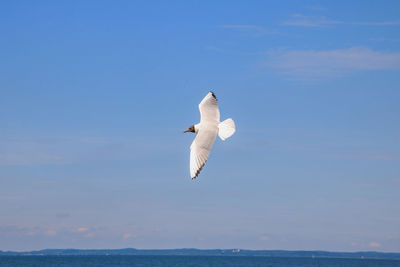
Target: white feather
{"type": "Point", "coordinates": [226, 129]}
{"type": "Point", "coordinates": [209, 111]}
{"type": "Point", "coordinates": [200, 150]}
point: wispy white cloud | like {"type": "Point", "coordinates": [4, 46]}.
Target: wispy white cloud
{"type": "Point", "coordinates": [127, 236]}
{"type": "Point", "coordinates": [374, 244]}
{"type": "Point", "coordinates": [315, 64]}
{"type": "Point", "coordinates": [317, 8]}
{"type": "Point", "coordinates": [28, 158]}
{"type": "Point", "coordinates": [28, 231]}
{"type": "Point", "coordinates": [31, 233]}
{"type": "Point", "coordinates": [89, 235]}
{"type": "Point", "coordinates": [378, 23]}
{"type": "Point", "coordinates": [383, 39]}
{"type": "Point", "coordinates": [253, 29]}
{"type": "Point", "coordinates": [300, 20]}
{"type": "Point", "coordinates": [50, 232]}
{"type": "Point", "coordinates": [69, 150]}
{"type": "Point", "coordinates": [307, 21]}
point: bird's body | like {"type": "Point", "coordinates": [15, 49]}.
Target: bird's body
{"type": "Point", "coordinates": [207, 130]}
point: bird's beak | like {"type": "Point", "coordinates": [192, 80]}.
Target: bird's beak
{"type": "Point", "coordinates": [186, 131]}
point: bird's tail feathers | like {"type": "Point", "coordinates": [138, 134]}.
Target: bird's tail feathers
{"type": "Point", "coordinates": [226, 129]}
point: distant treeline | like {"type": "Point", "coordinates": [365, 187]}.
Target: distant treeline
{"type": "Point", "coordinates": [208, 252]}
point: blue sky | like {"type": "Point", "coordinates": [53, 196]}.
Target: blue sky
{"type": "Point", "coordinates": [94, 96]}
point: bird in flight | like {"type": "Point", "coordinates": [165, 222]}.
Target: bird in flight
{"type": "Point", "coordinates": [207, 130]}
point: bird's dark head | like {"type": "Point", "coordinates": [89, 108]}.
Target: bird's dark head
{"type": "Point", "coordinates": [190, 129]}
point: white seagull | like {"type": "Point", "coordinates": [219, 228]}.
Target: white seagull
{"type": "Point", "coordinates": [207, 131]}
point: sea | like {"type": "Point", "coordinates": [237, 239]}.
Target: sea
{"type": "Point", "coordinates": [187, 261]}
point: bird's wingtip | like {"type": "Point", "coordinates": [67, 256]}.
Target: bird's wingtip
{"type": "Point", "coordinates": [212, 93]}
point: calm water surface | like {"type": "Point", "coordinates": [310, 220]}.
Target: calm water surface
{"type": "Point", "coordinates": [156, 261]}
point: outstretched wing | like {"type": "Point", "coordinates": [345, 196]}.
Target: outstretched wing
{"type": "Point", "coordinates": [200, 149]}
{"type": "Point", "coordinates": [207, 132]}
{"type": "Point", "coordinates": [209, 109]}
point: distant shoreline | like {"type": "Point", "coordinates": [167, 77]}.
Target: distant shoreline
{"type": "Point", "coordinates": [207, 252]}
